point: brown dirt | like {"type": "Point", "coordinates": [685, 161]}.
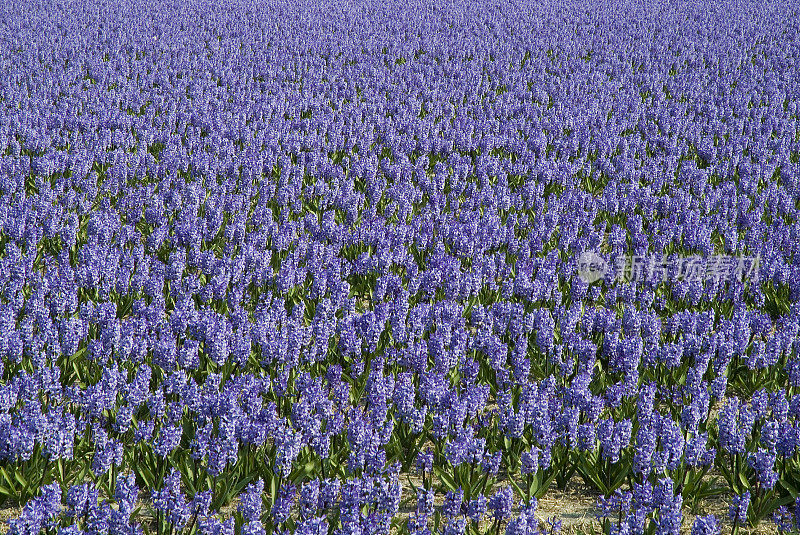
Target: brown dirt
{"type": "Point", "coordinates": [5, 516]}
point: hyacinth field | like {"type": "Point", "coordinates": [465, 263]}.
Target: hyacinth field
{"type": "Point", "coordinates": [313, 268]}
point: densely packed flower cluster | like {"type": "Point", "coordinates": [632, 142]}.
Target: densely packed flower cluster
{"type": "Point", "coordinates": [311, 266]}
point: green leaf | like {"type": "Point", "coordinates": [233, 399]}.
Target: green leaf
{"type": "Point", "coordinates": [225, 492]}
{"type": "Point", "coordinates": [546, 484]}
{"type": "Point", "coordinates": [241, 482]}
{"type": "Point", "coordinates": [743, 480]}
{"type": "Point", "coordinates": [517, 488]}
{"type": "Point", "coordinates": [446, 478]}
{"type": "Point", "coordinates": [190, 487]}
{"type": "Point", "coordinates": [147, 475]}
{"type": "Point", "coordinates": [773, 504]}
{"type": "Point", "coordinates": [60, 467]}
{"type": "Point", "coordinates": [619, 480]}
{"type": "Point", "coordinates": [188, 468]}
{"type": "Point", "coordinates": [7, 479]}
{"type": "Point", "coordinates": [273, 488]}
{"type": "Point", "coordinates": [21, 480]}
{"type": "Point", "coordinates": [726, 473]}
{"type": "Point", "coordinates": [791, 489]}
{"type": "Point", "coordinates": [413, 486]}
{"type": "Point", "coordinates": [588, 472]}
